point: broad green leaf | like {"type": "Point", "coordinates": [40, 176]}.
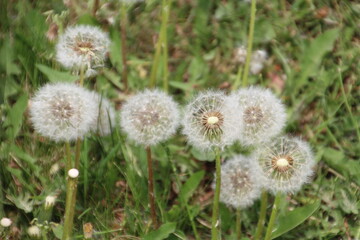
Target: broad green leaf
{"type": "Point", "coordinates": [14, 119]}
{"type": "Point", "coordinates": [57, 230]}
{"type": "Point", "coordinates": [55, 75]}
{"type": "Point", "coordinates": [190, 186]}
{"type": "Point", "coordinates": [203, 156]}
{"type": "Point", "coordinates": [294, 218]}
{"type": "Point", "coordinates": [163, 232]}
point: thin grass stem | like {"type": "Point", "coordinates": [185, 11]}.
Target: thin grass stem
{"type": "Point", "coordinates": [151, 188]}
{"type": "Point", "coordinates": [262, 215]}
{"type": "Point", "coordinates": [215, 225]}
{"type": "Point", "coordinates": [238, 78]}
{"type": "Point", "coordinates": [124, 74]}
{"type": "Point", "coordinates": [273, 216]}
{"type": "Point", "coordinates": [249, 43]}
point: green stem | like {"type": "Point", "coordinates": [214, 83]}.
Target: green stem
{"type": "Point", "coordinates": [249, 43]}
{"type": "Point", "coordinates": [160, 43]}
{"type": "Point", "coordinates": [273, 216]}
{"type": "Point", "coordinates": [238, 224]}
{"type": "Point", "coordinates": [124, 74]}
{"type": "Point", "coordinates": [68, 165]}
{"type": "Point", "coordinates": [348, 106]}
{"type": "Point", "coordinates": [151, 188]}
{"type": "Point", "coordinates": [95, 7]}
{"type": "Point", "coordinates": [215, 217]}
{"type": "Point", "coordinates": [165, 47]}
{"type": "Point", "coordinates": [2, 213]}
{"type": "Point", "coordinates": [261, 222]}
{"type": "Point", "coordinates": [238, 78]}
{"type": "Point", "coordinates": [82, 76]}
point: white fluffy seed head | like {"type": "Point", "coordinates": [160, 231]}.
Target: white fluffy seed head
{"type": "Point", "coordinates": [106, 117]}
{"type": "Point", "coordinates": [82, 46]}
{"type": "Point", "coordinates": [240, 182]}
{"type": "Point", "coordinates": [211, 121]}
{"type": "Point", "coordinates": [150, 117]}
{"type": "Point", "coordinates": [34, 231]}
{"type": "Point", "coordinates": [5, 222]}
{"type": "Point", "coordinates": [286, 164]}
{"type": "Point", "coordinates": [263, 115]}
{"type": "Point", "coordinates": [63, 111]}
{"type": "Point", "coordinates": [73, 173]}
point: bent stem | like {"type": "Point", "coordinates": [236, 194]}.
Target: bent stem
{"type": "Point", "coordinates": [261, 222]}
{"type": "Point", "coordinates": [151, 187]}
{"type": "Point", "coordinates": [238, 224]}
{"type": "Point", "coordinates": [249, 43]}
{"type": "Point", "coordinates": [124, 74]}
{"type": "Point", "coordinates": [273, 216]}
{"type": "Point", "coordinates": [215, 215]}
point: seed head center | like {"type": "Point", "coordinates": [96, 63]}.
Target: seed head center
{"type": "Point", "coordinates": [282, 162]}
{"type": "Point", "coordinates": [84, 47]}
{"type": "Point", "coordinates": [253, 115]}
{"type": "Point", "coordinates": [213, 120]}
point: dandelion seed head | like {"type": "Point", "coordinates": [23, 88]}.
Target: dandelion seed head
{"type": "Point", "coordinates": [73, 173]}
{"type": "Point", "coordinates": [62, 111]}
{"type": "Point", "coordinates": [210, 121]}
{"type": "Point", "coordinates": [286, 164]}
{"type": "Point", "coordinates": [262, 114]}
{"type": "Point", "coordinates": [82, 46]}
{"type": "Point", "coordinates": [150, 117]}
{"type": "Point", "coordinates": [50, 201]}
{"type": "Point", "coordinates": [240, 183]}
{"type": "Point", "coordinates": [106, 117]}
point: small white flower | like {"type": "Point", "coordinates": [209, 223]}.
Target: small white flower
{"type": "Point", "coordinates": [150, 117]}
{"type": "Point", "coordinates": [210, 121]}
{"type": "Point", "coordinates": [5, 222]}
{"type": "Point", "coordinates": [50, 201]}
{"type": "Point", "coordinates": [73, 173]}
{"type": "Point", "coordinates": [82, 46]}
{"type": "Point", "coordinates": [286, 164]}
{"type": "Point", "coordinates": [62, 111]}
{"type": "Point", "coordinates": [262, 114]}
{"type": "Point", "coordinates": [34, 231]}
{"type": "Point", "coordinates": [106, 117]}
{"type": "Point", "coordinates": [240, 182]}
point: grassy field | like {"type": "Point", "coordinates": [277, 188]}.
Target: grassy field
{"type": "Point", "coordinates": [313, 66]}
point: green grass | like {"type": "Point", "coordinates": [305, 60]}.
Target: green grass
{"type": "Point", "coordinates": [313, 66]}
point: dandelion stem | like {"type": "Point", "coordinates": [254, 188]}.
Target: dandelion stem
{"type": "Point", "coordinates": [238, 78]}
{"type": "Point", "coordinates": [151, 188]}
{"type": "Point", "coordinates": [68, 157]}
{"type": "Point", "coordinates": [160, 44]}
{"type": "Point", "coordinates": [238, 224]}
{"type": "Point", "coordinates": [249, 43]}
{"type": "Point", "coordinates": [95, 7]}
{"type": "Point", "coordinates": [261, 222]}
{"type": "Point", "coordinates": [71, 187]}
{"type": "Point", "coordinates": [273, 216]}
{"type": "Point", "coordinates": [124, 74]}
{"type": "Point", "coordinates": [82, 76]}
{"type": "Point", "coordinates": [215, 215]}
{"type": "Point", "coordinates": [165, 19]}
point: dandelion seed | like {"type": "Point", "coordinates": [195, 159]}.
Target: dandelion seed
{"type": "Point", "coordinates": [240, 182]}
{"type": "Point", "coordinates": [286, 164]}
{"type": "Point", "coordinates": [210, 121]}
{"type": "Point", "coordinates": [82, 46]}
{"type": "Point", "coordinates": [63, 112]}
{"type": "Point", "coordinates": [262, 115]}
{"type": "Point", "coordinates": [106, 117]}
{"type": "Point", "coordinates": [5, 222]}
{"type": "Point", "coordinates": [34, 231]}
{"type": "Point", "coordinates": [150, 117]}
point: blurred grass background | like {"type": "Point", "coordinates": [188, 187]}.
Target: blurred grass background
{"type": "Point", "coordinates": [313, 65]}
